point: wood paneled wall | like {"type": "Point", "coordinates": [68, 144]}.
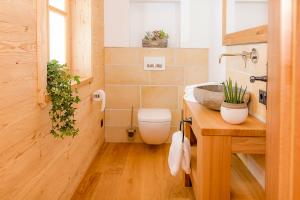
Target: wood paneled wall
{"type": "Point", "coordinates": [33, 164]}
{"type": "Point", "coordinates": [283, 139]}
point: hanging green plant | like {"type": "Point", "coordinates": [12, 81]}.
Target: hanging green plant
{"type": "Point", "coordinates": [63, 99]}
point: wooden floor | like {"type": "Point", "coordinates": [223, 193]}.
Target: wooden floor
{"type": "Point", "coordinates": [133, 172]}
{"type": "Point", "coordinates": [243, 185]}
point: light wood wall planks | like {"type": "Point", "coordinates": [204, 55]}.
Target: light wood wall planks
{"type": "Point", "coordinates": [33, 164]}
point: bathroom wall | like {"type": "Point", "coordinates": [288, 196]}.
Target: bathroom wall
{"type": "Point", "coordinates": [200, 27]}
{"type": "Point", "coordinates": [237, 72]}
{"type": "Point", "coordinates": [33, 164]}
{"type": "Point", "coordinates": [217, 71]}
{"type": "Point", "coordinates": [127, 84]}
{"type": "Point", "coordinates": [194, 23]}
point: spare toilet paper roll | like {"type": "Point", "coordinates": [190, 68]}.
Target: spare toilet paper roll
{"type": "Point", "coordinates": [99, 95]}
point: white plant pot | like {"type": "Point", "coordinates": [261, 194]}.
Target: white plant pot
{"type": "Point", "coordinates": [234, 113]}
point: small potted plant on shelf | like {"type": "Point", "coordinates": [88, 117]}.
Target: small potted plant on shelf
{"type": "Point", "coordinates": [156, 39]}
{"type": "Point", "coordinates": [234, 110]}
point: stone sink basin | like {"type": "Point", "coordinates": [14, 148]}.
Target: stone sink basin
{"type": "Point", "coordinates": [212, 96]}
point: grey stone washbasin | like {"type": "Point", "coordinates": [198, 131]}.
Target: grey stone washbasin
{"type": "Point", "coordinates": [212, 96]}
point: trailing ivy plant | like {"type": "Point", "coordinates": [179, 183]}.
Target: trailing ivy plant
{"type": "Point", "coordinates": [63, 99]}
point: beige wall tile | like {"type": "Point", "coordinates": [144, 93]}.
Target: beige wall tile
{"type": "Point", "coordinates": [235, 69]}
{"type": "Point", "coordinates": [159, 97]}
{"type": "Point", "coordinates": [237, 63]}
{"type": "Point", "coordinates": [168, 53]}
{"type": "Point", "coordinates": [180, 97]}
{"type": "Point", "coordinates": [120, 118]}
{"type": "Point", "coordinates": [119, 134]}
{"type": "Point", "coordinates": [170, 76]}
{"type": "Point", "coordinates": [176, 117]}
{"type": "Point", "coordinates": [195, 74]}
{"type": "Point", "coordinates": [191, 57]}
{"type": "Point", "coordinates": [127, 83]}
{"type": "Point", "coordinates": [255, 108]}
{"type": "Point", "coordinates": [126, 75]}
{"type": "Point", "coordinates": [122, 97]}
{"type": "Point", "coordinates": [122, 56]}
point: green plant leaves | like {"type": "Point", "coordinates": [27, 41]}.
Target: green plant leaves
{"type": "Point", "coordinates": [234, 95]}
{"type": "Point", "coordinates": [62, 111]}
{"type": "Point", "coordinates": [156, 35]}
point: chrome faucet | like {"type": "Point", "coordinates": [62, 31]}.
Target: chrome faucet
{"type": "Point", "coordinates": [253, 55]}
{"type": "Point", "coordinates": [244, 55]}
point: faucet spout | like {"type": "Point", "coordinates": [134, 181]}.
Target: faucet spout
{"type": "Point", "coordinates": [244, 54]}
{"type": "Point", "coordinates": [253, 56]}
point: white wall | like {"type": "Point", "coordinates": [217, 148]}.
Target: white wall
{"type": "Point", "coordinates": [200, 27]}
{"type": "Point", "coordinates": [195, 23]}
{"type": "Point", "coordinates": [239, 11]}
{"type": "Point", "coordinates": [217, 72]}
{"type": "Point", "coordinates": [151, 16]}
{"type": "Point", "coordinates": [116, 23]}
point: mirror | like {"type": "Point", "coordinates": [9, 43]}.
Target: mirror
{"type": "Point", "coordinates": [245, 21]}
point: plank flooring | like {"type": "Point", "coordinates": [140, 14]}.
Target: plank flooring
{"type": "Point", "coordinates": [123, 171]}
{"type": "Point", "coordinates": [243, 184]}
{"type": "Point", "coordinates": [133, 172]}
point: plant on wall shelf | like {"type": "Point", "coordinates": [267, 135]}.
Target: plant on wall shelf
{"type": "Point", "coordinates": [157, 38]}
{"type": "Point", "coordinates": [60, 91]}
{"type": "Point", "coordinates": [156, 35]}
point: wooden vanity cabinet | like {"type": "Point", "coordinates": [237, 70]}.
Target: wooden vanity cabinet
{"type": "Point", "coordinates": [214, 142]}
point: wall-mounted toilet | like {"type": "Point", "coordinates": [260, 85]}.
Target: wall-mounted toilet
{"type": "Point", "coordinates": [154, 125]}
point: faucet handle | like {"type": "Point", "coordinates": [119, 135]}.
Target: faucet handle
{"type": "Point", "coordinates": [258, 78]}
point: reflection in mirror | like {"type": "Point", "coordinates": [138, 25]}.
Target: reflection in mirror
{"type": "Point", "coordinates": [245, 14]}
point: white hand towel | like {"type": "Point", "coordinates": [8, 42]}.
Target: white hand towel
{"type": "Point", "coordinates": [175, 153]}
{"type": "Point", "coordinates": [186, 158]}
{"type": "Point", "coordinates": [179, 154]}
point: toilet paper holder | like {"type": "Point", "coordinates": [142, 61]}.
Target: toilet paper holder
{"type": "Point", "coordinates": [99, 95]}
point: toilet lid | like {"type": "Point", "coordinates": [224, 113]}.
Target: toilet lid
{"type": "Point", "coordinates": [154, 115]}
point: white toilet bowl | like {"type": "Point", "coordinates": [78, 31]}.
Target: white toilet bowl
{"type": "Point", "coordinates": [154, 125]}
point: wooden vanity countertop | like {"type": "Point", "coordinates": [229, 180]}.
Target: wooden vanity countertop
{"type": "Point", "coordinates": [209, 122]}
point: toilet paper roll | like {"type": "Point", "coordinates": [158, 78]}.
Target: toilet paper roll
{"type": "Point", "coordinates": [99, 95]}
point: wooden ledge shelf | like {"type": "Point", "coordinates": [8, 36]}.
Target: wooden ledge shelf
{"type": "Point", "coordinates": [83, 81]}
{"type": "Point", "coordinates": [215, 173]}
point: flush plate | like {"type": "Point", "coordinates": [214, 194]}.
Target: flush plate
{"type": "Point", "coordinates": [154, 63]}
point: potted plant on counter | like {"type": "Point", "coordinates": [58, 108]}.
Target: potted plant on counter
{"type": "Point", "coordinates": [156, 39]}
{"type": "Point", "coordinates": [234, 110]}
